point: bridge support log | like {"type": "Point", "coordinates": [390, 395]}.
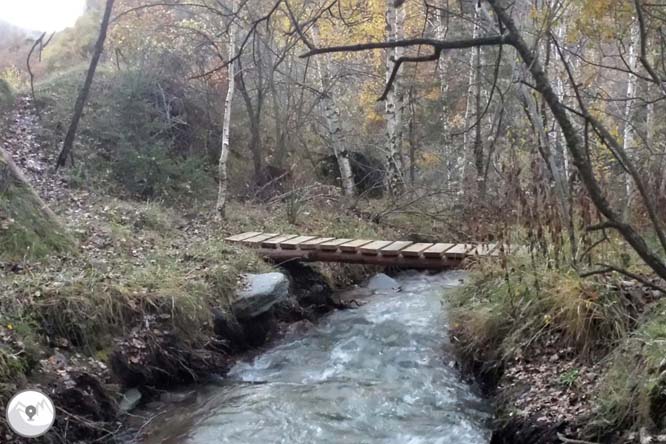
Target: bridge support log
{"type": "Point", "coordinates": [358, 258]}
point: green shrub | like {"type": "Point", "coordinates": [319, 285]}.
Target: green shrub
{"type": "Point", "coordinates": [137, 133]}
{"type": "Point", "coordinates": [150, 172]}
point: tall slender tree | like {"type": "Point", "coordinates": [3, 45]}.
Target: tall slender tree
{"type": "Point", "coordinates": [629, 136]}
{"type": "Point", "coordinates": [395, 103]}
{"type": "Point", "coordinates": [67, 145]}
{"type": "Point", "coordinates": [222, 177]}
{"type": "Point", "coordinates": [332, 117]}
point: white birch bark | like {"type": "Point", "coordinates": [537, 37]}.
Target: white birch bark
{"type": "Point", "coordinates": [475, 54]}
{"type": "Point", "coordinates": [401, 97]}
{"type": "Point", "coordinates": [562, 161]}
{"type": "Point", "coordinates": [223, 180]}
{"type": "Point", "coordinates": [394, 105]}
{"type": "Point", "coordinates": [558, 164]}
{"type": "Point", "coordinates": [440, 32]}
{"type": "Point", "coordinates": [649, 121]}
{"type": "Point", "coordinates": [629, 135]}
{"type": "Point", "coordinates": [332, 117]}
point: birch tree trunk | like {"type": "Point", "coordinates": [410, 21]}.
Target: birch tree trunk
{"type": "Point", "coordinates": [223, 180]}
{"type": "Point", "coordinates": [332, 117]}
{"type": "Point", "coordinates": [478, 144]}
{"type": "Point", "coordinates": [562, 161]}
{"type": "Point", "coordinates": [471, 100]}
{"type": "Point", "coordinates": [560, 167]}
{"type": "Point", "coordinates": [447, 152]}
{"type": "Point", "coordinates": [395, 103]}
{"type": "Point", "coordinates": [629, 135]}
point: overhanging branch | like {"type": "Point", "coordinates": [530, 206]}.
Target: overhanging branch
{"type": "Point", "coordinates": [437, 45]}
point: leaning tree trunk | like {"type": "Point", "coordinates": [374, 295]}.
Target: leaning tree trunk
{"type": "Point", "coordinates": [223, 179]}
{"type": "Point", "coordinates": [83, 94]}
{"type": "Point", "coordinates": [27, 224]}
{"type": "Point", "coordinates": [394, 105]}
{"type": "Point", "coordinates": [11, 175]}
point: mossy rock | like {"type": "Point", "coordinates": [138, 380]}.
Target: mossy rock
{"type": "Point", "coordinates": [28, 229]}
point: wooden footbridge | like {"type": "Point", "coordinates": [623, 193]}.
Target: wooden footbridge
{"type": "Point", "coordinates": [279, 247]}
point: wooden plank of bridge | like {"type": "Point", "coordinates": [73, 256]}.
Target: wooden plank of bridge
{"type": "Point", "coordinates": [353, 246]}
{"type": "Point", "coordinates": [312, 244]}
{"type": "Point", "coordinates": [437, 250]}
{"type": "Point", "coordinates": [291, 244]}
{"type": "Point", "coordinates": [275, 241]}
{"type": "Point", "coordinates": [415, 250]}
{"type": "Point", "coordinates": [459, 250]}
{"type": "Point", "coordinates": [243, 236]}
{"type": "Point", "coordinates": [394, 248]}
{"type": "Point", "coordinates": [419, 255]}
{"type": "Point", "coordinates": [373, 247]}
{"type": "Point", "coordinates": [332, 245]}
{"type": "Point", "coordinates": [258, 239]}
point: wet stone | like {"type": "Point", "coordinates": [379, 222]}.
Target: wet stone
{"type": "Point", "coordinates": [381, 281]}
{"type": "Point", "coordinates": [261, 293]}
{"type": "Point", "coordinates": [131, 399]}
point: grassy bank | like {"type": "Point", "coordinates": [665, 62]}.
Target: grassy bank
{"type": "Point", "coordinates": [562, 353]}
{"type": "Point", "coordinates": [138, 259]}
{"type": "Point", "coordinates": [140, 290]}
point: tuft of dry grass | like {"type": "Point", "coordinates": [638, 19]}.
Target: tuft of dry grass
{"type": "Point", "coordinates": [504, 309]}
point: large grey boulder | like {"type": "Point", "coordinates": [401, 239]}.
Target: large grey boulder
{"type": "Point", "coordinates": [260, 294]}
{"type": "Point", "coordinates": [380, 281]}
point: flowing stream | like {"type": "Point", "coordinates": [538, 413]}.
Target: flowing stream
{"type": "Point", "coordinates": [380, 373]}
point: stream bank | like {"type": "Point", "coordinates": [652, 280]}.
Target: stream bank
{"type": "Point", "coordinates": [565, 358]}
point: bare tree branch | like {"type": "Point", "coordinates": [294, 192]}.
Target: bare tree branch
{"type": "Point", "coordinates": [438, 45]}
{"type": "Point", "coordinates": [606, 268]}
